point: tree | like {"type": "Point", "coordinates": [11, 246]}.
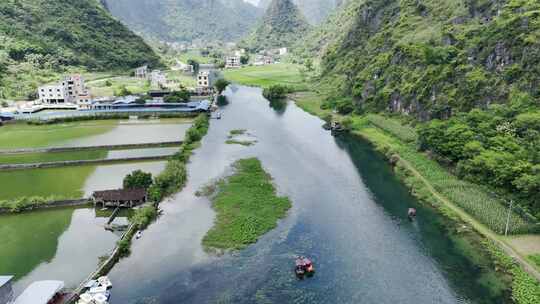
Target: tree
{"type": "Point", "coordinates": [183, 95]}
{"type": "Point", "coordinates": [123, 91]}
{"type": "Point", "coordinates": [222, 100]}
{"type": "Point", "coordinates": [194, 64]}
{"type": "Point", "coordinates": [142, 99]}
{"type": "Point", "coordinates": [244, 59]}
{"type": "Point", "coordinates": [137, 179]}
{"type": "Point", "coordinates": [309, 64]}
{"type": "Point", "coordinates": [108, 83]}
{"type": "Point", "coordinates": [220, 85]}
{"type": "Point", "coordinates": [275, 92]}
{"type": "Point", "coordinates": [5, 104]}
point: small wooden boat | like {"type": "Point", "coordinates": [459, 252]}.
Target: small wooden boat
{"type": "Point", "coordinates": [138, 235]}
{"type": "Point", "coordinates": [304, 266]}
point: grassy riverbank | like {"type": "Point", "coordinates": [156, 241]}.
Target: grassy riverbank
{"type": "Point", "coordinates": [247, 207]}
{"type": "Point", "coordinates": [267, 75]}
{"type": "Point", "coordinates": [456, 199]}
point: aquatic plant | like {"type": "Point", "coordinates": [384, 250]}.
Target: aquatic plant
{"type": "Point", "coordinates": [247, 207]}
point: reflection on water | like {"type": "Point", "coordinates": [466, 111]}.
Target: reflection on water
{"type": "Point", "coordinates": [133, 134]}
{"type": "Point", "coordinates": [348, 214]}
{"type": "Point", "coordinates": [61, 244]}
{"type": "Point", "coordinates": [111, 176]}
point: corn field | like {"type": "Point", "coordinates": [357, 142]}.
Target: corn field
{"type": "Point", "coordinates": [405, 133]}
{"type": "Point", "coordinates": [472, 198]}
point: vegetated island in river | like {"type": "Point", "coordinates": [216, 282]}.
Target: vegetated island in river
{"type": "Point", "coordinates": [247, 207]}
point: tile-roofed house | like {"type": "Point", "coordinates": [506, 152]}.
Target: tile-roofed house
{"type": "Point", "coordinates": [120, 197]}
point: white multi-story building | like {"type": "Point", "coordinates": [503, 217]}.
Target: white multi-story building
{"type": "Point", "coordinates": [232, 62]}
{"type": "Point", "coordinates": [205, 82]}
{"type": "Point", "coordinates": [283, 51]}
{"type": "Point", "coordinates": [71, 90]}
{"type": "Point", "coordinates": [53, 94]}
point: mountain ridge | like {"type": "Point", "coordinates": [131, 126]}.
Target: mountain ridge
{"type": "Point", "coordinates": [187, 20]}
{"type": "Point", "coordinates": [281, 26]}
{"type": "Point", "coordinates": [41, 38]}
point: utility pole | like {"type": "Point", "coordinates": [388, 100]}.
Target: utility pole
{"type": "Point", "coordinates": [508, 218]}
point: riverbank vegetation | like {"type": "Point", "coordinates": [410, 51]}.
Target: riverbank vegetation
{"type": "Point", "coordinates": [525, 289]}
{"type": "Point", "coordinates": [247, 207]}
{"type": "Point", "coordinates": [434, 184]}
{"type": "Point", "coordinates": [289, 75]}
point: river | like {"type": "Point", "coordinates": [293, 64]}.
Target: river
{"type": "Point", "coordinates": [348, 214]}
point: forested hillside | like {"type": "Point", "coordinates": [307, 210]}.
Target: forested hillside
{"type": "Point", "coordinates": [41, 38]}
{"type": "Point", "coordinates": [470, 67]}
{"type": "Point", "coordinates": [187, 20]}
{"type": "Point", "coordinates": [281, 26]}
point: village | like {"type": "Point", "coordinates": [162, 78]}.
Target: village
{"type": "Point", "coordinates": [72, 96]}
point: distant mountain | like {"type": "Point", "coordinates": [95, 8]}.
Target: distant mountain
{"type": "Point", "coordinates": [187, 20]}
{"type": "Point", "coordinates": [39, 38]}
{"type": "Point", "coordinates": [281, 26]}
{"type": "Point", "coordinates": [315, 11]}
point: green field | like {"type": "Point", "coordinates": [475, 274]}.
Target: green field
{"type": "Point", "coordinates": [27, 158]}
{"type": "Point", "coordinates": [310, 102]}
{"type": "Point", "coordinates": [267, 75]}
{"type": "Point", "coordinates": [184, 80]}
{"type": "Point", "coordinates": [31, 238]}
{"type": "Point", "coordinates": [13, 136]}
{"type": "Point", "coordinates": [247, 207]}
{"type": "Point", "coordinates": [99, 87]}
{"type": "Point", "coordinates": [66, 182]}
{"type": "Point", "coordinates": [194, 55]}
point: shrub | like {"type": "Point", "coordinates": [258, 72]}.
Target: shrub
{"type": "Point", "coordinates": [276, 91]}
{"type": "Point", "coordinates": [183, 95]}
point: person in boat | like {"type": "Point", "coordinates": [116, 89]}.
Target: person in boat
{"type": "Point", "coordinates": [411, 213]}
{"type": "Point", "coordinates": [304, 266]}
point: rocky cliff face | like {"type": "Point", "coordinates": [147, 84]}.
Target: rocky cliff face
{"type": "Point", "coordinates": [433, 58]}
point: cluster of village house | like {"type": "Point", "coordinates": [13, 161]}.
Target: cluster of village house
{"type": "Point", "coordinates": [72, 91]}
{"type": "Point", "coordinates": [264, 57]}
{"type": "Point", "coordinates": [205, 79]}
